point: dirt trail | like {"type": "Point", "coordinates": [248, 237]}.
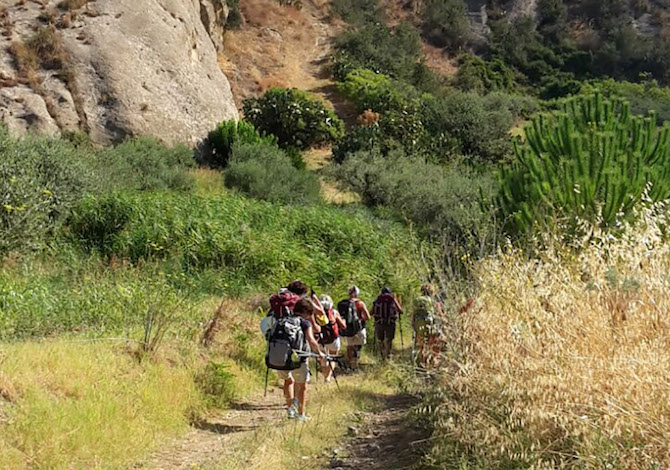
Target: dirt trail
{"type": "Point", "coordinates": [215, 438]}
{"type": "Point", "coordinates": [386, 439]}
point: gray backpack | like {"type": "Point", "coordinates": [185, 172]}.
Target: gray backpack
{"type": "Point", "coordinates": [286, 341]}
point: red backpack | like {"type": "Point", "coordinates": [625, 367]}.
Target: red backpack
{"type": "Point", "coordinates": [283, 303]}
{"type": "Point", "coordinates": [331, 331]}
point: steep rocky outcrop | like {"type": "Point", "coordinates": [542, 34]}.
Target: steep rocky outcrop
{"type": "Point", "coordinates": [123, 68]}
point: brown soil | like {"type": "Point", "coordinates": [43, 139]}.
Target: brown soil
{"type": "Point", "coordinates": [215, 438]}
{"type": "Point", "coordinates": [388, 440]}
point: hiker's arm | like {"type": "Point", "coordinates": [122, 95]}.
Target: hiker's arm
{"type": "Point", "coordinates": [365, 315]}
{"type": "Point", "coordinates": [313, 344]}
{"type": "Point", "coordinates": [398, 306]}
{"type": "Point", "coordinates": [340, 321]}
{"type": "Point", "coordinates": [317, 304]}
{"type": "Point", "coordinates": [315, 325]}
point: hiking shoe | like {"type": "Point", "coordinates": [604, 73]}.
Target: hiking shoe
{"type": "Point", "coordinates": [291, 412]}
{"type": "Point", "coordinates": [303, 418]}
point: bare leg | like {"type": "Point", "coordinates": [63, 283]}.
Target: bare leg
{"type": "Point", "coordinates": [301, 393]}
{"type": "Point", "coordinates": [288, 392]}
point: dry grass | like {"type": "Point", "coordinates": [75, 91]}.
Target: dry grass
{"type": "Point", "coordinates": [73, 405]}
{"type": "Point", "coordinates": [565, 359]}
{"type": "Point", "coordinates": [277, 46]}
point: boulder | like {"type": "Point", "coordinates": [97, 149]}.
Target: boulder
{"type": "Point", "coordinates": [135, 67]}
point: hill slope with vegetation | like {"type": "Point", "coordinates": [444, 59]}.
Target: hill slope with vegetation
{"type": "Point", "coordinates": [529, 185]}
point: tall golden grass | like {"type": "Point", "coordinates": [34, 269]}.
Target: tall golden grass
{"type": "Point", "coordinates": [564, 362]}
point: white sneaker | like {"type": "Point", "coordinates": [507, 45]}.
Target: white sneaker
{"type": "Point", "coordinates": [291, 412]}
{"type": "Point", "coordinates": [303, 418]}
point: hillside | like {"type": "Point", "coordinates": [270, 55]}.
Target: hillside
{"type": "Point", "coordinates": [499, 168]}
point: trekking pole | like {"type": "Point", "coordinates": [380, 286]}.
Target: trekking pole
{"type": "Point", "coordinates": [267, 373]}
{"type": "Point", "coordinates": [402, 343]}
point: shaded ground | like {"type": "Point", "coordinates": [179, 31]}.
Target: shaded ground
{"type": "Point", "coordinates": [215, 438]}
{"type": "Point", "coordinates": [388, 440]}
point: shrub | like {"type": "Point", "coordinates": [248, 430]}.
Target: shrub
{"type": "Point", "coordinates": [144, 163]}
{"type": "Point", "coordinates": [475, 130]}
{"type": "Point", "coordinates": [234, 20]}
{"type": "Point", "coordinates": [378, 92]}
{"type": "Point", "coordinates": [222, 139]}
{"type": "Point", "coordinates": [40, 179]}
{"type": "Point", "coordinates": [294, 117]}
{"type": "Point", "coordinates": [592, 160]}
{"type": "Point", "coordinates": [643, 97]}
{"type": "Point", "coordinates": [443, 201]}
{"type": "Point", "coordinates": [395, 52]}
{"type": "Point", "coordinates": [445, 23]}
{"type": "Point", "coordinates": [476, 74]}
{"type": "Point", "coordinates": [268, 173]}
{"type": "Point", "coordinates": [358, 12]}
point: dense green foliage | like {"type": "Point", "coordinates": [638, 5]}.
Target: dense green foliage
{"type": "Point", "coordinates": [441, 127]}
{"type": "Point", "coordinates": [395, 52]}
{"type": "Point", "coordinates": [592, 160]}
{"type": "Point", "coordinates": [222, 140]}
{"type": "Point", "coordinates": [442, 201]}
{"type": "Point", "coordinates": [445, 23]}
{"type": "Point", "coordinates": [476, 74]}
{"type": "Point", "coordinates": [358, 12]}
{"type": "Point", "coordinates": [295, 117]}
{"type": "Point", "coordinates": [245, 244]}
{"type": "Point", "coordinates": [554, 56]}
{"type": "Point", "coordinates": [42, 178]}
{"type": "Point", "coordinates": [267, 173]}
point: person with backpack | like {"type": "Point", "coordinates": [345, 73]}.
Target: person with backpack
{"type": "Point", "coordinates": [386, 310]}
{"type": "Point", "coordinates": [355, 314]}
{"type": "Point", "coordinates": [426, 325]}
{"type": "Point", "coordinates": [330, 335]}
{"type": "Point", "coordinates": [291, 341]}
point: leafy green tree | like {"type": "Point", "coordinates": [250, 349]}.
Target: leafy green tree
{"type": "Point", "coordinates": [227, 134]}
{"type": "Point", "coordinates": [445, 23]}
{"type": "Point", "coordinates": [593, 159]}
{"type": "Point", "coordinates": [295, 117]}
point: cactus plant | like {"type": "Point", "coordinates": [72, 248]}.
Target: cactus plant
{"type": "Point", "coordinates": [591, 160]}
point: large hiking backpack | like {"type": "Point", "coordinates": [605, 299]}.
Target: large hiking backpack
{"type": "Point", "coordinates": [283, 303]}
{"type": "Point", "coordinates": [347, 309]}
{"type": "Point", "coordinates": [385, 309]}
{"type": "Point", "coordinates": [330, 331]}
{"type": "Point", "coordinates": [286, 341]}
{"type": "Point", "coordinates": [424, 315]}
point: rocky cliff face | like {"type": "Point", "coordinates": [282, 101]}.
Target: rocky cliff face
{"type": "Point", "coordinates": [114, 68]}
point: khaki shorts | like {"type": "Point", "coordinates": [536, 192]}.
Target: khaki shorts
{"type": "Point", "coordinates": [300, 375]}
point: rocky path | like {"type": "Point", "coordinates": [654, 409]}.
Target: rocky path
{"type": "Point", "coordinates": [388, 440]}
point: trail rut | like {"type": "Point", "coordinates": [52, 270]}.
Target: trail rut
{"type": "Point", "coordinates": [386, 438]}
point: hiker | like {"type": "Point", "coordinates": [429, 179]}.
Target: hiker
{"type": "Point", "coordinates": [355, 314]}
{"type": "Point", "coordinates": [330, 335]}
{"type": "Point", "coordinates": [386, 311]}
{"type": "Point", "coordinates": [299, 288]}
{"type": "Point", "coordinates": [426, 325]}
{"type": "Point", "coordinates": [291, 342]}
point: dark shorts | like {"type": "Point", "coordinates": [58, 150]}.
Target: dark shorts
{"type": "Point", "coordinates": [385, 331]}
